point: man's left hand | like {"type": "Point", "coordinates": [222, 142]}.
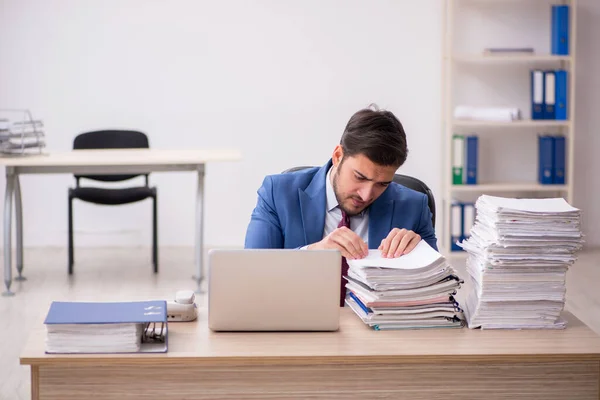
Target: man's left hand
{"type": "Point", "coordinates": [399, 242]}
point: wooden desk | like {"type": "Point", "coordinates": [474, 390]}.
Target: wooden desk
{"type": "Point", "coordinates": [352, 363]}
{"type": "Point", "coordinates": [122, 161]}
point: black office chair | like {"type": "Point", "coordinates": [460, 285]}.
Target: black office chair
{"type": "Point", "coordinates": [405, 180]}
{"type": "Point", "coordinates": [112, 139]}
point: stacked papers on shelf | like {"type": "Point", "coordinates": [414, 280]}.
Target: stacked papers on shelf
{"type": "Point", "coordinates": [493, 114]}
{"type": "Point", "coordinates": [519, 254]}
{"type": "Point", "coordinates": [413, 291]}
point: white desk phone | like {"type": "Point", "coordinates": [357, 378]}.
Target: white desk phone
{"type": "Point", "coordinates": [183, 309]}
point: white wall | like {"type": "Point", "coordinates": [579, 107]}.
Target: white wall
{"type": "Point", "coordinates": [276, 79]}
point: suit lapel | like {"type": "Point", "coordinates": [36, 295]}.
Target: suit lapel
{"type": "Point", "coordinates": [313, 202]}
{"type": "Point", "coordinates": [380, 219]}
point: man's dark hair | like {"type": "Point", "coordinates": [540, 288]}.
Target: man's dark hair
{"type": "Point", "coordinates": [378, 135]}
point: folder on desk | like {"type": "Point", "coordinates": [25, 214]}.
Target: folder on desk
{"type": "Point", "coordinates": [107, 327]}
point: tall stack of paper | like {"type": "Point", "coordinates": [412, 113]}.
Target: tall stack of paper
{"type": "Point", "coordinates": [519, 253]}
{"type": "Point", "coordinates": [413, 291]}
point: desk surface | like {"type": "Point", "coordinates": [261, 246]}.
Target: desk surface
{"type": "Point", "coordinates": [354, 343]}
{"type": "Point", "coordinates": [121, 157]}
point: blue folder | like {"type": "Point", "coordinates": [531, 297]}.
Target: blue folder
{"type": "Point", "coordinates": [560, 30]}
{"type": "Point", "coordinates": [471, 159]}
{"type": "Point", "coordinates": [149, 313]}
{"type": "Point", "coordinates": [545, 159]}
{"type": "Point", "coordinates": [537, 94]}
{"type": "Point", "coordinates": [559, 160]}
{"type": "Point", "coordinates": [562, 95]}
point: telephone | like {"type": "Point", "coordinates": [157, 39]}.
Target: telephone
{"type": "Point", "coordinates": [183, 309]}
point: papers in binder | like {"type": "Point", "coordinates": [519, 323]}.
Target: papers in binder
{"type": "Point", "coordinates": [125, 327]}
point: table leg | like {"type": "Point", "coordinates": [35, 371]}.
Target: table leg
{"type": "Point", "coordinates": [35, 382]}
{"type": "Point", "coordinates": [199, 229]}
{"type": "Point", "coordinates": [19, 222]}
{"type": "Point", "coordinates": [10, 184]}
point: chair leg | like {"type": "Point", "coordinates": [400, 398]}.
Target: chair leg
{"type": "Point", "coordinates": [155, 233]}
{"type": "Point", "coordinates": [71, 255]}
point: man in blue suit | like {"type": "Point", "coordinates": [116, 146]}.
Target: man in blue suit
{"type": "Point", "coordinates": [350, 203]}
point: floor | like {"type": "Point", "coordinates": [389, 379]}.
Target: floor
{"type": "Point", "coordinates": [116, 273]}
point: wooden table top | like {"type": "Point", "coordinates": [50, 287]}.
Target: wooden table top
{"type": "Point", "coordinates": [354, 342]}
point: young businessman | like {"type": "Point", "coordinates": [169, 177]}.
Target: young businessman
{"type": "Point", "coordinates": [350, 203]}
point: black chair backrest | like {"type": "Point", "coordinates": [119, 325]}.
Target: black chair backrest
{"type": "Point", "coordinates": [110, 139]}
{"type": "Point", "coordinates": [404, 180]}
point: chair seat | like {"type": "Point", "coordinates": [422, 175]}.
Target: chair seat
{"type": "Point", "coordinates": [112, 196]}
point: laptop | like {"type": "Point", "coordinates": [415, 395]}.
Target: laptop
{"type": "Point", "coordinates": [274, 290]}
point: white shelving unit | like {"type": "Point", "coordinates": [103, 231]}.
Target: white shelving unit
{"type": "Point", "coordinates": [455, 60]}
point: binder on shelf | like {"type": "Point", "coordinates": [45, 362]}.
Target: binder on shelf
{"type": "Point", "coordinates": [458, 149]}
{"type": "Point", "coordinates": [468, 219]}
{"type": "Point", "coordinates": [559, 160]}
{"type": "Point", "coordinates": [561, 94]}
{"type": "Point", "coordinates": [545, 159]}
{"type": "Point", "coordinates": [537, 94]}
{"type": "Point", "coordinates": [107, 327]}
{"type": "Point", "coordinates": [560, 30]}
{"type": "Point", "coordinates": [471, 159]}
{"type": "Point", "coordinates": [549, 94]}
{"type": "Point", "coordinates": [456, 224]}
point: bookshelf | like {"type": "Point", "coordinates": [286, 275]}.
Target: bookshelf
{"type": "Point", "coordinates": [501, 23]}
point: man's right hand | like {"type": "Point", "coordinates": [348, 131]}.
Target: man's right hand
{"type": "Point", "coordinates": [346, 241]}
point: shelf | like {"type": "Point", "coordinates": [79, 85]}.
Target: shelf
{"type": "Point", "coordinates": [510, 58]}
{"type": "Point", "coordinates": [514, 124]}
{"type": "Point", "coordinates": [508, 187]}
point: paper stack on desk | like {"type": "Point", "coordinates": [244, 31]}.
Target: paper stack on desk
{"type": "Point", "coordinates": [413, 291]}
{"type": "Point", "coordinates": [519, 253]}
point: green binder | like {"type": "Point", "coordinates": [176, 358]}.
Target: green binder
{"type": "Point", "coordinates": [458, 159]}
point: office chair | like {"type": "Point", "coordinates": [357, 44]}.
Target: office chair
{"type": "Point", "coordinates": [405, 180]}
{"type": "Point", "coordinates": [112, 139]}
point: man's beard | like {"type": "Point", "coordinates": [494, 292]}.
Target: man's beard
{"type": "Point", "coordinates": [337, 195]}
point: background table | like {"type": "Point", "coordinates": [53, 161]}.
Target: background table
{"type": "Point", "coordinates": [121, 161]}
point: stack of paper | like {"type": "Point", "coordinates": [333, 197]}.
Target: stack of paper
{"type": "Point", "coordinates": [494, 114]}
{"type": "Point", "coordinates": [21, 137]}
{"type": "Point", "coordinates": [412, 291]}
{"type": "Point", "coordinates": [519, 253]}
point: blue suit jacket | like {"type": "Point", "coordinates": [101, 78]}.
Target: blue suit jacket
{"type": "Point", "coordinates": [290, 212]}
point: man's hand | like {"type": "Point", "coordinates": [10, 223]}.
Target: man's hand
{"type": "Point", "coordinates": [346, 241]}
{"type": "Point", "coordinates": [399, 242]}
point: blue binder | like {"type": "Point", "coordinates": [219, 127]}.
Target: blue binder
{"type": "Point", "coordinates": [559, 160]}
{"type": "Point", "coordinates": [537, 94]}
{"type": "Point", "coordinates": [471, 159]}
{"type": "Point", "coordinates": [561, 95]}
{"type": "Point", "coordinates": [457, 220]}
{"type": "Point", "coordinates": [560, 30]}
{"type": "Point", "coordinates": [549, 94]}
{"type": "Point", "coordinates": [545, 159]}
{"type": "Point", "coordinates": [148, 314]}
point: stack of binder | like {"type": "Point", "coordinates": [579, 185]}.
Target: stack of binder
{"type": "Point", "coordinates": [125, 327]}
{"type": "Point", "coordinates": [519, 254]}
{"type": "Point", "coordinates": [413, 291]}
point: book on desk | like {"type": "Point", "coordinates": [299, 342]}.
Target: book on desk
{"type": "Point", "coordinates": [107, 327]}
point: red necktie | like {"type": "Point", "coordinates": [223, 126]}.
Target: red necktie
{"type": "Point", "coordinates": [344, 222]}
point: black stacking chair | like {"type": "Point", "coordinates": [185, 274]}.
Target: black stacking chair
{"type": "Point", "coordinates": [112, 139]}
